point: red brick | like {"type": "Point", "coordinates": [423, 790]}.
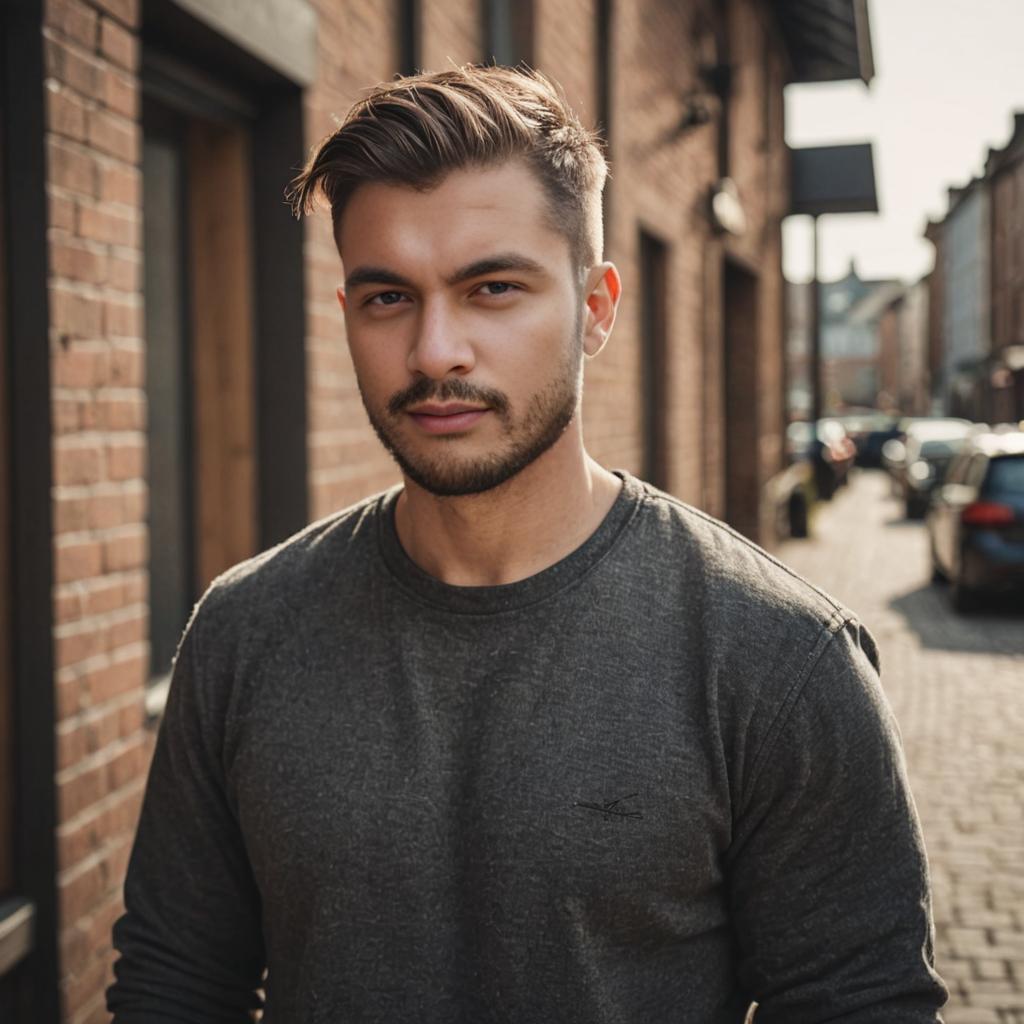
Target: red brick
{"type": "Point", "coordinates": [115, 679]}
{"type": "Point", "coordinates": [77, 462]}
{"type": "Point", "coordinates": [77, 367]}
{"type": "Point", "coordinates": [95, 1010]}
{"type": "Point", "coordinates": [72, 648]}
{"type": "Point", "coordinates": [62, 212]}
{"type": "Point", "coordinates": [126, 767]}
{"type": "Point", "coordinates": [71, 513]}
{"type": "Point", "coordinates": [75, 313]}
{"type": "Point", "coordinates": [78, 262]}
{"type": "Point", "coordinates": [101, 224]}
{"type": "Point", "coordinates": [83, 890]}
{"type": "Point", "coordinates": [117, 862]}
{"type": "Point", "coordinates": [75, 951]}
{"type": "Point", "coordinates": [126, 551]}
{"type": "Point", "coordinates": [65, 416]}
{"type": "Point", "coordinates": [69, 696]}
{"type": "Point", "coordinates": [67, 606]}
{"type": "Point", "coordinates": [127, 367]}
{"type": "Point", "coordinates": [114, 135]}
{"type": "Point", "coordinates": [104, 595]}
{"type": "Point", "coordinates": [126, 460]}
{"type": "Point", "coordinates": [104, 918]}
{"type": "Point", "coordinates": [121, 93]}
{"type": "Point", "coordinates": [87, 415]}
{"type": "Point", "coordinates": [71, 746]}
{"type": "Point", "coordinates": [121, 413]}
{"type": "Point", "coordinates": [80, 991]}
{"type": "Point", "coordinates": [65, 113]}
{"type": "Point", "coordinates": [136, 587]}
{"type": "Point", "coordinates": [80, 790]}
{"type": "Point", "coordinates": [120, 45]}
{"type": "Point", "coordinates": [126, 11]}
{"type": "Point", "coordinates": [71, 169]}
{"type": "Point", "coordinates": [104, 511]}
{"type": "Point", "coordinates": [102, 731]}
{"type": "Point", "coordinates": [81, 71]}
{"type": "Point", "coordinates": [122, 320]}
{"type": "Point", "coordinates": [130, 719]}
{"type": "Point", "coordinates": [125, 274]}
{"type": "Point", "coordinates": [72, 19]}
{"type": "Point", "coordinates": [120, 184]}
{"type": "Point", "coordinates": [127, 631]}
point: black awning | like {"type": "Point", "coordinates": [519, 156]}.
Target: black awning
{"type": "Point", "coordinates": [828, 40]}
{"type": "Point", "coordinates": [833, 179]}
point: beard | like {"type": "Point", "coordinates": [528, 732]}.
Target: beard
{"type": "Point", "coordinates": [525, 437]}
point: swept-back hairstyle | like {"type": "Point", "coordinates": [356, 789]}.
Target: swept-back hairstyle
{"type": "Point", "coordinates": [415, 130]}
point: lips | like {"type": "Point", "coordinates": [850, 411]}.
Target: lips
{"type": "Point", "coordinates": [446, 418]}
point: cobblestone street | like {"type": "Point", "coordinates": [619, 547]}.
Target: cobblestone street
{"type": "Point", "coordinates": [957, 687]}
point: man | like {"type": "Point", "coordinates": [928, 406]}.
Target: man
{"type": "Point", "coordinates": [522, 740]}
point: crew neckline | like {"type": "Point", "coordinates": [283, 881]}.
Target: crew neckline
{"type": "Point", "coordinates": [487, 600]}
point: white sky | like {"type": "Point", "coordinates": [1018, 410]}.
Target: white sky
{"type": "Point", "coordinates": [949, 75]}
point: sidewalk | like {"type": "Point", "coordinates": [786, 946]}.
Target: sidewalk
{"type": "Point", "coordinates": [957, 687]}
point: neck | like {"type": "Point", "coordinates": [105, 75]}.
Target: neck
{"type": "Point", "coordinates": [513, 531]}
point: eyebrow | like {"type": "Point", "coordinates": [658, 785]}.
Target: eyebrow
{"type": "Point", "coordinates": [498, 263]}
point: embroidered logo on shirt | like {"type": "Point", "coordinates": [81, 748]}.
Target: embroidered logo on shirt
{"type": "Point", "coordinates": [612, 808]}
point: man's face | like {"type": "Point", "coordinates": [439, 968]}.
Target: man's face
{"type": "Point", "coordinates": [465, 321]}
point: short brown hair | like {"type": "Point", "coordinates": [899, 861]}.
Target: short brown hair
{"type": "Point", "coordinates": [415, 130]}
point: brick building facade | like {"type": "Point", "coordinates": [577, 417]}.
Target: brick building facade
{"type": "Point", "coordinates": [1005, 170]}
{"type": "Point", "coordinates": [175, 391]}
{"type": "Point", "coordinates": [976, 300]}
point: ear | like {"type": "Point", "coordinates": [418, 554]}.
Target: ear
{"type": "Point", "coordinates": [341, 298]}
{"type": "Point", "coordinates": [604, 289]}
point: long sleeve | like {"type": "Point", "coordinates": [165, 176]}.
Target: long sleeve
{"type": "Point", "coordinates": [190, 940]}
{"type": "Point", "coordinates": [828, 878]}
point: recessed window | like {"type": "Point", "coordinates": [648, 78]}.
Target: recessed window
{"type": "Point", "coordinates": [199, 351]}
{"type": "Point", "coordinates": [654, 355]}
{"type": "Point", "coordinates": [508, 31]}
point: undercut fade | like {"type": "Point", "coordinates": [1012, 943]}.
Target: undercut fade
{"type": "Point", "coordinates": [417, 129]}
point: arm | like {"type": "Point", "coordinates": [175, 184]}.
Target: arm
{"type": "Point", "coordinates": [828, 879]}
{"type": "Point", "coordinates": [190, 939]}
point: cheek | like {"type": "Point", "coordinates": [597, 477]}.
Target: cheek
{"type": "Point", "coordinates": [378, 361]}
{"type": "Point", "coordinates": [529, 341]}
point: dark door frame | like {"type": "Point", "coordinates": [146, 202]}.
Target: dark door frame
{"type": "Point", "coordinates": [32, 984]}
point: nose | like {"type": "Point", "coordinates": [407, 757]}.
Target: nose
{"type": "Point", "coordinates": [441, 346]}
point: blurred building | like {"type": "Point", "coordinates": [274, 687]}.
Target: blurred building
{"type": "Point", "coordinates": [175, 390]}
{"type": "Point", "coordinates": [903, 374]}
{"type": "Point", "coordinates": [976, 334]}
{"type": "Point", "coordinates": [913, 396]}
{"type": "Point", "coordinates": [965, 254]}
{"type": "Point", "coordinates": [850, 313]}
{"type": "Point", "coordinates": [1005, 173]}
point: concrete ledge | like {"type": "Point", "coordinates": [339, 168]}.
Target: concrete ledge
{"type": "Point", "coordinates": [281, 33]}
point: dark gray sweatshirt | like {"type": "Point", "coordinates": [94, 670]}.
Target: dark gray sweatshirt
{"type": "Point", "coordinates": [650, 784]}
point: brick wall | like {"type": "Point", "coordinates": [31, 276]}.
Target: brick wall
{"type": "Point", "coordinates": [356, 47]}
{"type": "Point", "coordinates": [661, 178]}
{"type": "Point", "coordinates": [93, 151]}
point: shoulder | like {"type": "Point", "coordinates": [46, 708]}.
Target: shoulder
{"type": "Point", "coordinates": [283, 579]}
{"type": "Point", "coordinates": [730, 577]}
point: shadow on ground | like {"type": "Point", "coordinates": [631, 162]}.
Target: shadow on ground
{"type": "Point", "coordinates": [996, 627]}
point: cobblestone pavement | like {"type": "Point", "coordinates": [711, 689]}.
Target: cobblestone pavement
{"type": "Point", "coordinates": [957, 687]}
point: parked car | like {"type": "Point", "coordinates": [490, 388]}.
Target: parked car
{"type": "Point", "coordinates": [929, 448]}
{"type": "Point", "coordinates": [864, 427]}
{"type": "Point", "coordinates": [976, 519]}
{"type": "Point", "coordinates": [827, 447]}
{"type": "Point", "coordinates": [894, 449]}
{"type": "Point", "coordinates": [928, 460]}
{"type": "Point", "coordinates": [869, 452]}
